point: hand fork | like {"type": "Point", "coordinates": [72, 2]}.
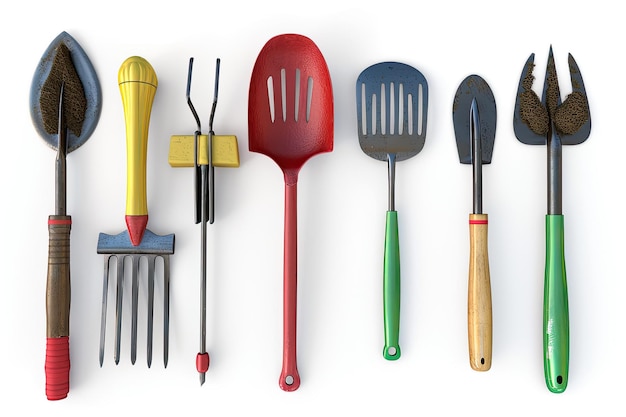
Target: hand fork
{"type": "Point", "coordinates": [138, 83]}
{"type": "Point", "coordinates": [552, 123]}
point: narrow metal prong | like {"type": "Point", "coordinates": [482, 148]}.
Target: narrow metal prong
{"type": "Point", "coordinates": [166, 308]}
{"type": "Point", "coordinates": [578, 87]}
{"type": "Point", "coordinates": [135, 307]}
{"type": "Point", "coordinates": [60, 163]}
{"type": "Point", "coordinates": [521, 127]}
{"type": "Point", "coordinates": [103, 318]}
{"type": "Point", "coordinates": [551, 97]}
{"type": "Point", "coordinates": [211, 179]}
{"type": "Point", "coordinates": [151, 260]}
{"type": "Point", "coordinates": [391, 180]}
{"type": "Point", "coordinates": [575, 76]}
{"type": "Point", "coordinates": [118, 307]}
{"type": "Point", "coordinates": [477, 157]}
{"type": "Point", "coordinates": [197, 182]}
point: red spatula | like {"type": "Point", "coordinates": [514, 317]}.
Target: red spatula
{"type": "Point", "coordinates": [290, 119]}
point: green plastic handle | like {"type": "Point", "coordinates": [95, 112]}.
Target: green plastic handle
{"type": "Point", "coordinates": [555, 308]}
{"type": "Point", "coordinates": [391, 288]}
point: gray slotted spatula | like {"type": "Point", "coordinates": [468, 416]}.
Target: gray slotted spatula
{"type": "Point", "coordinates": [392, 105]}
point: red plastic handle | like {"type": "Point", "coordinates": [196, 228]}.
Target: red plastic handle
{"type": "Point", "coordinates": [57, 367]}
{"type": "Point", "coordinates": [289, 377]}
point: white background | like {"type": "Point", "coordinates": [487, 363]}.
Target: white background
{"type": "Point", "coordinates": [342, 203]}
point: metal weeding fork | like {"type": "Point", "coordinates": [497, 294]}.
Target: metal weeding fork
{"type": "Point", "coordinates": [553, 123]}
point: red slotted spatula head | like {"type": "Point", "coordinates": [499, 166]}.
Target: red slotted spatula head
{"type": "Point", "coordinates": [290, 108]}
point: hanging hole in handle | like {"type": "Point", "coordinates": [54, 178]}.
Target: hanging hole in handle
{"type": "Point", "coordinates": [559, 379]}
{"type": "Point", "coordinates": [392, 351]}
{"type": "Point", "coordinates": [482, 361]}
{"type": "Point", "coordinates": [289, 380]}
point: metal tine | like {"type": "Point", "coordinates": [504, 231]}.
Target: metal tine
{"type": "Point", "coordinates": [135, 307]}
{"type": "Point", "coordinates": [575, 76]}
{"type": "Point", "coordinates": [151, 260]}
{"type": "Point", "coordinates": [135, 260]}
{"type": "Point", "coordinates": [189, 103]}
{"type": "Point", "coordinates": [522, 131]}
{"type": "Point", "coordinates": [103, 318]}
{"type": "Point", "coordinates": [210, 146]}
{"type": "Point", "coordinates": [118, 307]}
{"type": "Point", "coordinates": [198, 177]}
{"type": "Point", "coordinates": [550, 67]}
{"type": "Point", "coordinates": [579, 87]}
{"type": "Point", "coordinates": [166, 308]}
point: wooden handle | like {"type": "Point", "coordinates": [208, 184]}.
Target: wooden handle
{"type": "Point", "coordinates": [58, 293]}
{"type": "Point", "coordinates": [479, 320]}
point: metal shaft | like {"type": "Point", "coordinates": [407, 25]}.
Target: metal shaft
{"type": "Point", "coordinates": [477, 158]}
{"type": "Point", "coordinates": [60, 188]}
{"type": "Point", "coordinates": [555, 190]}
{"type": "Point", "coordinates": [207, 187]}
{"type": "Point", "coordinates": [391, 164]}
{"type": "Point", "coordinates": [203, 265]}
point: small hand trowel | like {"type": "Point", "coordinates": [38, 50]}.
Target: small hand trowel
{"type": "Point", "coordinates": [474, 118]}
{"type": "Point", "coordinates": [65, 104]}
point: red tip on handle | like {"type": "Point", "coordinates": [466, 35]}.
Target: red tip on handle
{"type": "Point", "coordinates": [202, 362]}
{"type": "Point", "coordinates": [57, 367]}
{"type": "Point", "coordinates": [136, 226]}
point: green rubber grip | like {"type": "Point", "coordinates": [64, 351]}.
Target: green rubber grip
{"type": "Point", "coordinates": [391, 288]}
{"type": "Point", "coordinates": [555, 308]}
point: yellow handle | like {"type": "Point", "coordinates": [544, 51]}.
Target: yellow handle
{"type": "Point", "coordinates": [479, 318]}
{"type": "Point", "coordinates": [138, 83]}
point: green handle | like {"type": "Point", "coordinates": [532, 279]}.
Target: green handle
{"type": "Point", "coordinates": [391, 288]}
{"type": "Point", "coordinates": [555, 310]}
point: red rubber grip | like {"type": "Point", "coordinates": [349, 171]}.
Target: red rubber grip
{"type": "Point", "coordinates": [202, 362]}
{"type": "Point", "coordinates": [57, 367]}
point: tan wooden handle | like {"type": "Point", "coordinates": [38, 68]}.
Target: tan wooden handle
{"type": "Point", "coordinates": [479, 319]}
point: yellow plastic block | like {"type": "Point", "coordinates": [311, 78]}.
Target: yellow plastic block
{"type": "Point", "coordinates": [225, 151]}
